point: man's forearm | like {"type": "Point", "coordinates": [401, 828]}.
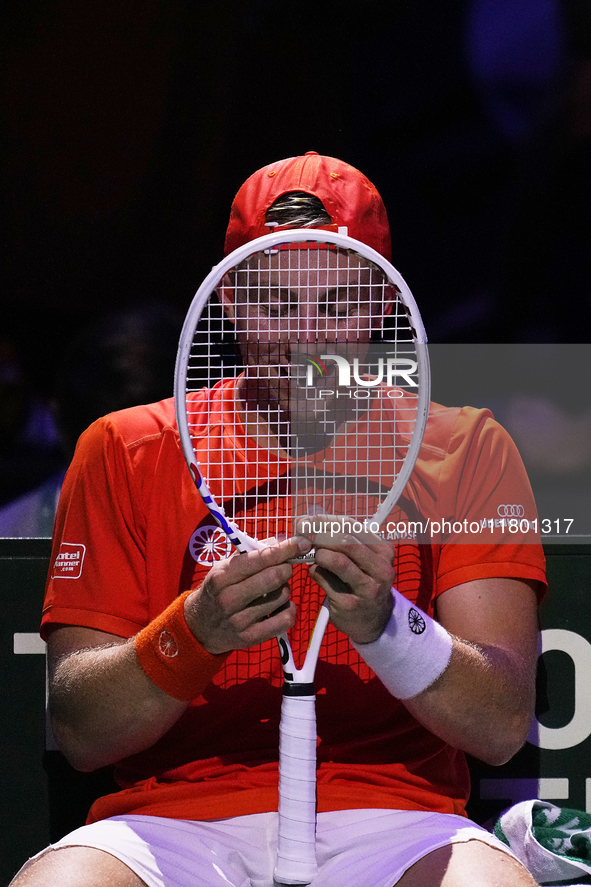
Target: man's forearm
{"type": "Point", "coordinates": [482, 703]}
{"type": "Point", "coordinates": [476, 694]}
{"type": "Point", "coordinates": [104, 708]}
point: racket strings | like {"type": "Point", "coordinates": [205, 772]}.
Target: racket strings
{"type": "Point", "coordinates": [278, 431]}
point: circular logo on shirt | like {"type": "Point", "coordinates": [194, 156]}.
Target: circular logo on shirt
{"type": "Point", "coordinates": [167, 644]}
{"type": "Point", "coordinates": [208, 544]}
{"type": "Point", "coordinates": [416, 622]}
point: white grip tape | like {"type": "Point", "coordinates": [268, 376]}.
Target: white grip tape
{"type": "Point", "coordinates": [412, 651]}
{"type": "Point", "coordinates": [296, 839]}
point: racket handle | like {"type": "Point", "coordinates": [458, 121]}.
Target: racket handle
{"type": "Point", "coordinates": [296, 839]}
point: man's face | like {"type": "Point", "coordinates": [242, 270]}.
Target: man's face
{"type": "Point", "coordinates": [299, 297]}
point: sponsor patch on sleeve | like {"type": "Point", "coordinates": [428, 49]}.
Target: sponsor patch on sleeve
{"type": "Point", "coordinates": [68, 563]}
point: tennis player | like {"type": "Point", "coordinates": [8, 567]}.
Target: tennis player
{"type": "Point", "coordinates": [163, 661]}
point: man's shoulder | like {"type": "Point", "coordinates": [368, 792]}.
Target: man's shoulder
{"type": "Point", "coordinates": [130, 428]}
{"type": "Point", "coordinates": [138, 423]}
{"type": "Point", "coordinates": [446, 423]}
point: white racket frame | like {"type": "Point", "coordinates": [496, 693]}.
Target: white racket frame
{"type": "Point", "coordinates": [296, 850]}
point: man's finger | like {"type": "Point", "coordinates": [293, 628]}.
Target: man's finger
{"type": "Point", "coordinates": [245, 566]}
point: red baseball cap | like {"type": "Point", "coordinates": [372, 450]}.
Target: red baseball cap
{"type": "Point", "coordinates": [347, 195]}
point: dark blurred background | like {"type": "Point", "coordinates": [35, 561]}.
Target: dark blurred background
{"type": "Point", "coordinates": [128, 127]}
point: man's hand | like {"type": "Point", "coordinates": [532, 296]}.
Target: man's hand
{"type": "Point", "coordinates": [356, 571]}
{"type": "Point", "coordinates": [245, 600]}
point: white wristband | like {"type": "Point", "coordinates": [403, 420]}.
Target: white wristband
{"type": "Point", "coordinates": [412, 651]}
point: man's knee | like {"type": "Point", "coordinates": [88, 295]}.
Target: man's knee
{"type": "Point", "coordinates": [76, 867]}
{"type": "Point", "coordinates": [466, 864]}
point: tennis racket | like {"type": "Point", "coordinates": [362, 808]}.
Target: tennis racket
{"type": "Point", "coordinates": [301, 390]}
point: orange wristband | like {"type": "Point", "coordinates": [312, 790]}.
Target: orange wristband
{"type": "Point", "coordinates": [172, 657]}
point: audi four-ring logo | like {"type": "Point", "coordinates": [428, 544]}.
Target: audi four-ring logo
{"type": "Point", "coordinates": [510, 510]}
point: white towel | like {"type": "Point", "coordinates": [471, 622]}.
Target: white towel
{"type": "Point", "coordinates": [554, 843]}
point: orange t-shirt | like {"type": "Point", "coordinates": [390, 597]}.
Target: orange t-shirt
{"type": "Point", "coordinates": [132, 533]}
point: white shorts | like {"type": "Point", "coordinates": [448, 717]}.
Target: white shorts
{"type": "Point", "coordinates": [369, 847]}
